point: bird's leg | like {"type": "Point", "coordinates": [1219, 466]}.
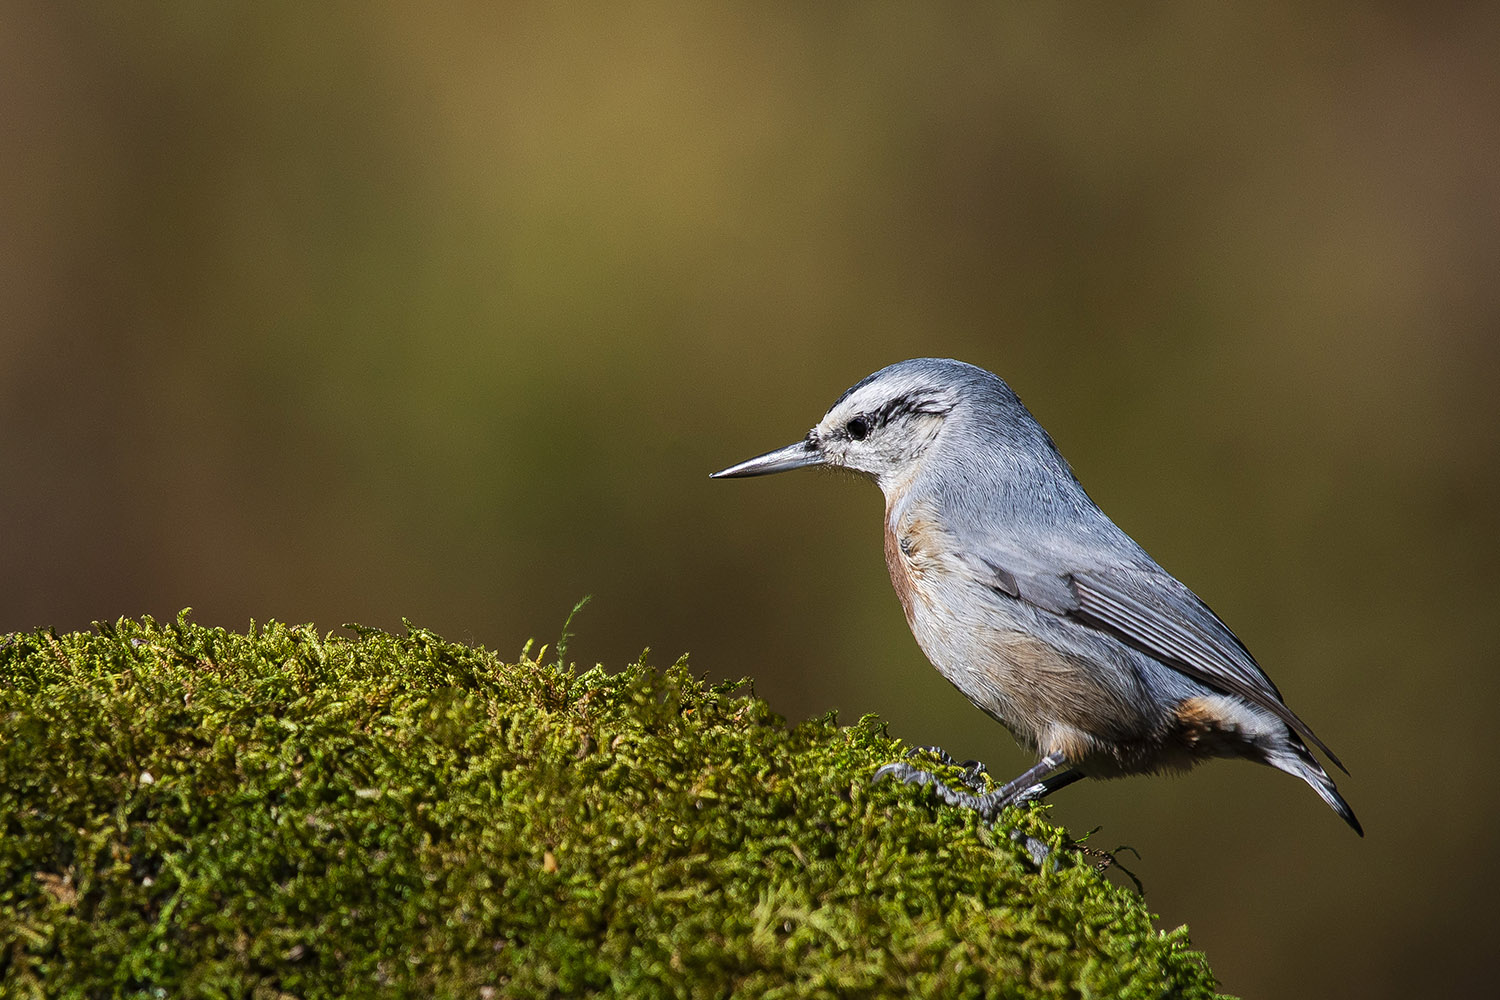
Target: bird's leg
{"type": "Point", "coordinates": [1062, 779]}
{"type": "Point", "coordinates": [1026, 787]}
{"type": "Point", "coordinates": [1034, 783]}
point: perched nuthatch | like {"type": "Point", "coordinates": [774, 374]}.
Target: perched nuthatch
{"type": "Point", "coordinates": [1031, 602]}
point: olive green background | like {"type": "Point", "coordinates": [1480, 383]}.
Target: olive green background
{"type": "Point", "coordinates": [349, 312]}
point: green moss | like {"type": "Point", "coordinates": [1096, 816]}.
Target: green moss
{"type": "Point", "coordinates": [190, 812]}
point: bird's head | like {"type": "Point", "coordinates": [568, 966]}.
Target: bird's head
{"type": "Point", "coordinates": [883, 427]}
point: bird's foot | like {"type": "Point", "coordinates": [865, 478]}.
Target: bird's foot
{"type": "Point", "coordinates": [1030, 786]}
{"type": "Point", "coordinates": [987, 804]}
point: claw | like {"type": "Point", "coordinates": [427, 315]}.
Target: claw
{"type": "Point", "coordinates": [942, 755]}
{"type": "Point", "coordinates": [974, 770]}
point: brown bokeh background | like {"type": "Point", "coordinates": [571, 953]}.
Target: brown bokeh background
{"type": "Point", "coordinates": [345, 313]}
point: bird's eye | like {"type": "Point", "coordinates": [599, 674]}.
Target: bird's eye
{"type": "Point", "coordinates": [858, 428]}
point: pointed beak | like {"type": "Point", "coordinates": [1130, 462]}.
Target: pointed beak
{"type": "Point", "coordinates": [793, 456]}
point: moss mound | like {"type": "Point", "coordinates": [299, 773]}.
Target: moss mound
{"type": "Point", "coordinates": [190, 812]}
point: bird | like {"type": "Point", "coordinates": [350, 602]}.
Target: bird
{"type": "Point", "coordinates": [1035, 605]}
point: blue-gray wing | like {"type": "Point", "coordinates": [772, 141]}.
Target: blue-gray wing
{"type": "Point", "coordinates": [1153, 612]}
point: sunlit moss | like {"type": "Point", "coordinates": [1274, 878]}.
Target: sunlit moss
{"type": "Point", "coordinates": [193, 812]}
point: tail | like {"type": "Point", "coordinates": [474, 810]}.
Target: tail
{"type": "Point", "coordinates": [1304, 766]}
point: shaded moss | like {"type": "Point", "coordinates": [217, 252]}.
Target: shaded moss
{"type": "Point", "coordinates": [192, 812]}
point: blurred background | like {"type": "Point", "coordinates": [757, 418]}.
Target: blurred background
{"type": "Point", "coordinates": [349, 312]}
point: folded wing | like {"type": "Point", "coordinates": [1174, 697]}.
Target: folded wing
{"type": "Point", "coordinates": [1149, 609]}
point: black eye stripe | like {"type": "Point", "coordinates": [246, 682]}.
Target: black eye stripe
{"type": "Point", "coordinates": [906, 405]}
{"type": "Point", "coordinates": [862, 425]}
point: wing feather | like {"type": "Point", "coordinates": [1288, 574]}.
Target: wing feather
{"type": "Point", "coordinates": [1152, 611]}
{"type": "Point", "coordinates": [1155, 613]}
